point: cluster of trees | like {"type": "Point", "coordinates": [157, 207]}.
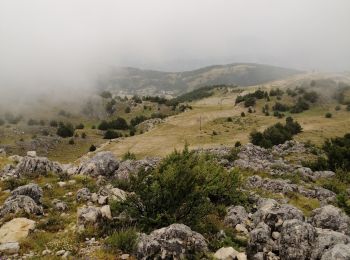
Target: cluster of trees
{"type": "Point", "coordinates": [276, 134]}
{"type": "Point", "coordinates": [301, 104]}
{"type": "Point", "coordinates": [194, 95]}
{"type": "Point", "coordinates": [250, 98]}
{"type": "Point", "coordinates": [155, 99]}
{"type": "Point", "coordinates": [117, 124]}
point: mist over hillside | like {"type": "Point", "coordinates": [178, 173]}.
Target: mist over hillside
{"type": "Point", "coordinates": [134, 80]}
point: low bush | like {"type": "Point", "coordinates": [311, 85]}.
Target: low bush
{"type": "Point", "coordinates": [122, 241]}
{"type": "Point", "coordinates": [92, 148]}
{"type": "Point", "coordinates": [184, 188]}
{"type": "Point", "coordinates": [129, 156]}
{"type": "Point", "coordinates": [110, 134]}
{"type": "Point", "coordinates": [328, 115]}
{"type": "Point", "coordinates": [65, 130]}
{"type": "Point", "coordinates": [13, 183]}
{"type": "Point", "coordinates": [338, 152]}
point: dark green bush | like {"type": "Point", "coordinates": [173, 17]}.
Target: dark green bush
{"type": "Point", "coordinates": [300, 106]}
{"type": "Point", "coordinates": [328, 115]}
{"type": "Point", "coordinates": [338, 152]}
{"type": "Point", "coordinates": [65, 130]}
{"type": "Point", "coordinates": [280, 107]}
{"type": "Point", "coordinates": [110, 134]}
{"type": "Point", "coordinates": [80, 126]}
{"type": "Point", "coordinates": [184, 188]}
{"type": "Point", "coordinates": [92, 148]}
{"type": "Point", "coordinates": [276, 134]}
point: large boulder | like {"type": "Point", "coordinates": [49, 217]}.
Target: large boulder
{"type": "Point", "coordinates": [128, 167]}
{"type": "Point", "coordinates": [89, 216]}
{"type": "Point", "coordinates": [112, 194]}
{"type": "Point", "coordinates": [16, 229]}
{"type": "Point", "coordinates": [236, 215]}
{"type": "Point", "coordinates": [274, 214]}
{"type": "Point", "coordinates": [176, 241]}
{"type": "Point", "coordinates": [325, 240]}
{"type": "Point", "coordinates": [9, 248]}
{"type": "Point", "coordinates": [338, 252]}
{"type": "Point", "coordinates": [330, 217]}
{"type": "Point", "coordinates": [226, 253]}
{"type": "Point", "coordinates": [31, 190]}
{"type": "Point", "coordinates": [296, 240]}
{"type": "Point", "coordinates": [259, 240]}
{"type": "Point", "coordinates": [83, 194]}
{"type": "Point", "coordinates": [103, 163]}
{"type": "Point", "coordinates": [18, 204]}
{"type": "Point", "coordinates": [32, 166]}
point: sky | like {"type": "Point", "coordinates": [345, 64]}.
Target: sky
{"type": "Point", "coordinates": [65, 44]}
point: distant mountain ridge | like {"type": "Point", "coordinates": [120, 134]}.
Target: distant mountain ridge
{"type": "Point", "coordinates": [139, 81]}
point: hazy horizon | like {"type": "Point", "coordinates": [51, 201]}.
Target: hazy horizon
{"type": "Point", "coordinates": [64, 45]}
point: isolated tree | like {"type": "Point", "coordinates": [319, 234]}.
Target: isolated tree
{"type": "Point", "coordinates": [65, 130]}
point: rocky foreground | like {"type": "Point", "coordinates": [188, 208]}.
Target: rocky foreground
{"type": "Point", "coordinates": [273, 228]}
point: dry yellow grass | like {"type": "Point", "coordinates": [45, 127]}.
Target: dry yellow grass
{"type": "Point", "coordinates": [213, 112]}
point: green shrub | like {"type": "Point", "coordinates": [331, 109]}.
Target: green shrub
{"type": "Point", "coordinates": [300, 106]}
{"type": "Point", "coordinates": [106, 94]}
{"type": "Point", "coordinates": [280, 107]}
{"type": "Point", "coordinates": [53, 223]}
{"type": "Point", "coordinates": [321, 164]}
{"type": "Point", "coordinates": [124, 241]}
{"type": "Point", "coordinates": [71, 141]}
{"type": "Point", "coordinates": [80, 126]}
{"type": "Point", "coordinates": [129, 156]}
{"type": "Point", "coordinates": [311, 96]}
{"type": "Point", "coordinates": [13, 183]}
{"type": "Point", "coordinates": [65, 130]}
{"type": "Point", "coordinates": [184, 188]}
{"type": "Point", "coordinates": [127, 110]}
{"type": "Point", "coordinates": [328, 115]}
{"type": "Point", "coordinates": [338, 152]}
{"type": "Point", "coordinates": [92, 148]}
{"type": "Point", "coordinates": [110, 134]}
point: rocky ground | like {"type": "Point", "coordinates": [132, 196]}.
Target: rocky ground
{"type": "Point", "coordinates": [57, 202]}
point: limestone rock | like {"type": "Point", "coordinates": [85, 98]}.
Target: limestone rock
{"type": "Point", "coordinates": [296, 239]}
{"type": "Point", "coordinates": [338, 252]}
{"type": "Point", "coordinates": [83, 194]}
{"type": "Point", "coordinates": [325, 240]}
{"type": "Point", "coordinates": [31, 166]}
{"type": "Point", "coordinates": [236, 215]}
{"type": "Point", "coordinates": [330, 217]}
{"type": "Point", "coordinates": [16, 229]}
{"type": "Point", "coordinates": [226, 253]}
{"type": "Point", "coordinates": [128, 167]}
{"type": "Point", "coordinates": [103, 163]}
{"type": "Point", "coordinates": [173, 242]}
{"type": "Point", "coordinates": [20, 204]}
{"type": "Point", "coordinates": [9, 248]}
{"type": "Point", "coordinates": [31, 190]}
